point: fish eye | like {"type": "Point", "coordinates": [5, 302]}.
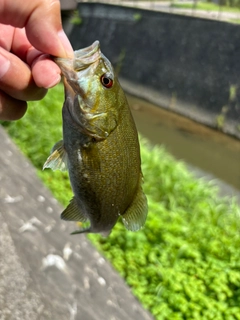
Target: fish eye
{"type": "Point", "coordinates": [106, 81]}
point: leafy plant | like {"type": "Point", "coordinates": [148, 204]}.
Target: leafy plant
{"type": "Point", "coordinates": [76, 19]}
{"type": "Point", "coordinates": [185, 262]}
{"type": "Point", "coordinates": [209, 6]}
{"type": "Point", "coordinates": [137, 17]}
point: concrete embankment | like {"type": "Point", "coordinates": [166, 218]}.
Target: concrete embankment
{"type": "Point", "coordinates": [46, 274]}
{"type": "Point", "coordinates": [185, 64]}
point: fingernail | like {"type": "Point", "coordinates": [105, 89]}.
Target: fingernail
{"type": "Point", "coordinates": [54, 83]}
{"type": "Point", "coordinates": [4, 66]}
{"type": "Point", "coordinates": [66, 43]}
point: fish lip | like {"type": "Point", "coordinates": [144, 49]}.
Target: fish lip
{"type": "Point", "coordinates": [82, 59]}
{"type": "Point", "coordinates": [65, 64]}
{"type": "Point", "coordinates": [86, 56]}
{"type": "Point", "coordinates": [73, 70]}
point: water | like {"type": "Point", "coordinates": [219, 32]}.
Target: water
{"type": "Point", "coordinates": [200, 146]}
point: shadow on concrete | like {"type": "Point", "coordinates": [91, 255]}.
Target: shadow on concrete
{"type": "Point", "coordinates": [44, 272]}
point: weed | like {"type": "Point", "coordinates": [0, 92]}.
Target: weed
{"type": "Point", "coordinates": [185, 262]}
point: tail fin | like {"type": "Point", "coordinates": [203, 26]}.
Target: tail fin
{"type": "Point", "coordinates": [87, 230]}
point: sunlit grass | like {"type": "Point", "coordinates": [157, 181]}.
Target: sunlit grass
{"type": "Point", "coordinates": [235, 21]}
{"type": "Point", "coordinates": [207, 6]}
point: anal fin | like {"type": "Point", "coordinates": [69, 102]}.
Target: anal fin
{"type": "Point", "coordinates": [57, 158]}
{"type": "Point", "coordinates": [136, 214]}
{"type": "Point", "coordinates": [73, 213]}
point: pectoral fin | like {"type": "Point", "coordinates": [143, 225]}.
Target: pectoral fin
{"type": "Point", "coordinates": [135, 216]}
{"type": "Point", "coordinates": [73, 213]}
{"type": "Point", "coordinates": [58, 158]}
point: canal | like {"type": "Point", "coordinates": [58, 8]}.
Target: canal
{"type": "Point", "coordinates": [200, 146]}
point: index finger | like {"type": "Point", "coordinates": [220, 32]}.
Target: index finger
{"type": "Point", "coordinates": [42, 21]}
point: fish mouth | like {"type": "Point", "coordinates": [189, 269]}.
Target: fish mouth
{"type": "Point", "coordinates": [75, 71]}
{"type": "Point", "coordinates": [83, 58]}
{"type": "Point", "coordinates": [87, 56]}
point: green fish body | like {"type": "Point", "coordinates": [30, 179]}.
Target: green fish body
{"type": "Point", "coordinates": [100, 147]}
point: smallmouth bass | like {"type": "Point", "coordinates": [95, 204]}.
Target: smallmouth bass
{"type": "Point", "coordinates": [100, 147]}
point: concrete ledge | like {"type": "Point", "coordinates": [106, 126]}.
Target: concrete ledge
{"type": "Point", "coordinates": [189, 65]}
{"type": "Point", "coordinates": [44, 272]}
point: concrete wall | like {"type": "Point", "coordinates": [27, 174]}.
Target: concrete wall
{"type": "Point", "coordinates": [189, 65]}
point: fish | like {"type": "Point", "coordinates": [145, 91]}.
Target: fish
{"type": "Point", "coordinates": [100, 147]}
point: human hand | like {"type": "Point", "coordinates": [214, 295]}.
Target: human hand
{"type": "Point", "coordinates": [30, 31]}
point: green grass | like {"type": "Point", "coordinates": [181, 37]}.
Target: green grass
{"type": "Point", "coordinates": [234, 21]}
{"type": "Point", "coordinates": [185, 262]}
{"type": "Point", "coordinates": [207, 6]}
